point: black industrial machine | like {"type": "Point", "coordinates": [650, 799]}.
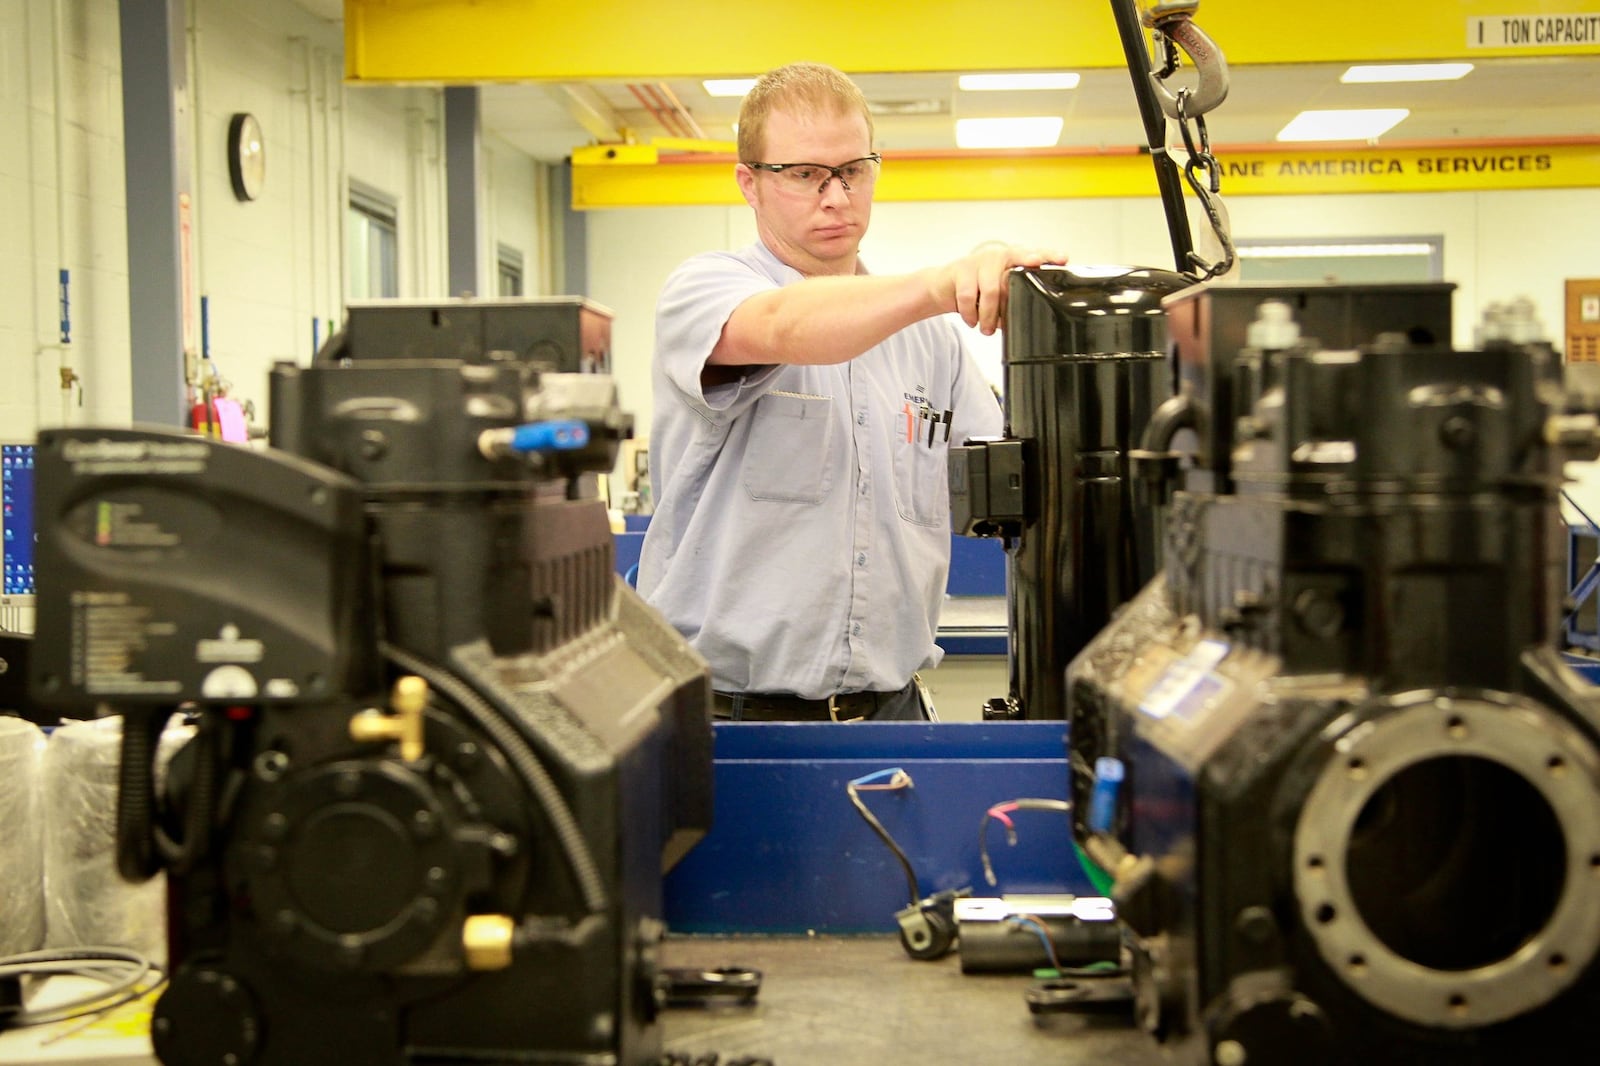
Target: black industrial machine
{"type": "Point", "coordinates": [441, 754]}
{"type": "Point", "coordinates": [1347, 789]}
{"type": "Point", "coordinates": [569, 334]}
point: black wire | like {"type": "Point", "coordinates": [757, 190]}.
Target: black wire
{"type": "Point", "coordinates": [883, 834]}
{"type": "Point", "coordinates": [1022, 805]}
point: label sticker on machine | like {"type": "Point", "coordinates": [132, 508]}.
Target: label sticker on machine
{"type": "Point", "coordinates": [111, 636]}
{"type": "Point", "coordinates": [1188, 685]}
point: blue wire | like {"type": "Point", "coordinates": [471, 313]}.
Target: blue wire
{"type": "Point", "coordinates": [1044, 936]}
{"type": "Point", "coordinates": [876, 775]}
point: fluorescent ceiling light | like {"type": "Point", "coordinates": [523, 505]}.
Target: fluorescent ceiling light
{"type": "Point", "coordinates": [728, 86]}
{"type": "Point", "coordinates": [1041, 132]}
{"type": "Point", "coordinates": [1406, 72]}
{"type": "Point", "coordinates": [1329, 251]}
{"type": "Point", "coordinates": [1351, 125]}
{"type": "Point", "coordinates": [992, 82]}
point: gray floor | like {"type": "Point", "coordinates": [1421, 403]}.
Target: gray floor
{"type": "Point", "coordinates": [830, 1001]}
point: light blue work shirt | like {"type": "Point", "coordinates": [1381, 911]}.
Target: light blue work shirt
{"type": "Point", "coordinates": [801, 535]}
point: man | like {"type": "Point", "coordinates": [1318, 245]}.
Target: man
{"type": "Point", "coordinates": [804, 412]}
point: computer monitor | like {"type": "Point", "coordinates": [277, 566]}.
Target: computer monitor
{"type": "Point", "coordinates": [16, 537]}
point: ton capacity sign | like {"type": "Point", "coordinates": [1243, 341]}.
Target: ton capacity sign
{"type": "Point", "coordinates": [1533, 31]}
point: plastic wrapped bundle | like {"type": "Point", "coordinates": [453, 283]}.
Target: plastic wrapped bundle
{"type": "Point", "coordinates": [22, 844]}
{"type": "Point", "coordinates": [88, 902]}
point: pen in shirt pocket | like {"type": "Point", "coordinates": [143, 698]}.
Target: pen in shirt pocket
{"type": "Point", "coordinates": [922, 412]}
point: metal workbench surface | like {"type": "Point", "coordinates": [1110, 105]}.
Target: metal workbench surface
{"type": "Point", "coordinates": [862, 1001]}
{"type": "Point", "coordinates": [824, 1001]}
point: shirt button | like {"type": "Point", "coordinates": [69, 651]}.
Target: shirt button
{"type": "Point", "coordinates": [861, 560]}
{"type": "Point", "coordinates": [861, 420]}
{"type": "Point", "coordinates": [855, 630]}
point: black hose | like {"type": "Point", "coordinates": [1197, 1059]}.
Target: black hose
{"type": "Point", "coordinates": [182, 856]}
{"type": "Point", "coordinates": [1175, 413]}
{"type": "Point", "coordinates": [135, 846]}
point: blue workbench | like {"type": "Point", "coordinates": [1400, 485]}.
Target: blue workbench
{"type": "Point", "coordinates": [789, 853]}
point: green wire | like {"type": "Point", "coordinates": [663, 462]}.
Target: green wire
{"type": "Point", "coordinates": [1101, 880]}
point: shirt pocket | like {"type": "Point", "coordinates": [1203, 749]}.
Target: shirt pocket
{"type": "Point", "coordinates": [922, 474]}
{"type": "Point", "coordinates": [788, 457]}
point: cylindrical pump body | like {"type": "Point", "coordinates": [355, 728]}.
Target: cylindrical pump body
{"type": "Point", "coordinates": [1085, 366]}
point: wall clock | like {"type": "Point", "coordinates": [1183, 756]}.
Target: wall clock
{"type": "Point", "coordinates": [247, 156]}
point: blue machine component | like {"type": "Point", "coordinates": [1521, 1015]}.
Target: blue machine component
{"type": "Point", "coordinates": [1108, 774]}
{"type": "Point", "coordinates": [788, 853]}
{"type": "Point", "coordinates": [564, 435]}
{"type": "Point", "coordinates": [555, 435]}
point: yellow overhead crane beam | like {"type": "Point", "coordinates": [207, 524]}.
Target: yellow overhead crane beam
{"type": "Point", "coordinates": [483, 41]}
{"type": "Point", "coordinates": [639, 176]}
{"type": "Point", "coordinates": [477, 41]}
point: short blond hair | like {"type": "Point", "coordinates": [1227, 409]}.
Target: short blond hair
{"type": "Point", "coordinates": [801, 88]}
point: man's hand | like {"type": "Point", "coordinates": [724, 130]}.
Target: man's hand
{"type": "Point", "coordinates": [974, 286]}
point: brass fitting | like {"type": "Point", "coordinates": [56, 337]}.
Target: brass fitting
{"type": "Point", "coordinates": [487, 939]}
{"type": "Point", "coordinates": [404, 726]}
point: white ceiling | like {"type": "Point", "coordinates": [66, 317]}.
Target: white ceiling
{"type": "Point", "coordinates": [1501, 98]}
{"type": "Point", "coordinates": [1504, 98]}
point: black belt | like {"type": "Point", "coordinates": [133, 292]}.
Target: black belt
{"type": "Point", "coordinates": [778, 707]}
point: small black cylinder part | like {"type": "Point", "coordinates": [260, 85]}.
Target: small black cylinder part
{"type": "Point", "coordinates": [1017, 945]}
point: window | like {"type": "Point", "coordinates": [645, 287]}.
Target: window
{"type": "Point", "coordinates": [1346, 260]}
{"type": "Point", "coordinates": [509, 262]}
{"type": "Point", "coordinates": [373, 244]}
